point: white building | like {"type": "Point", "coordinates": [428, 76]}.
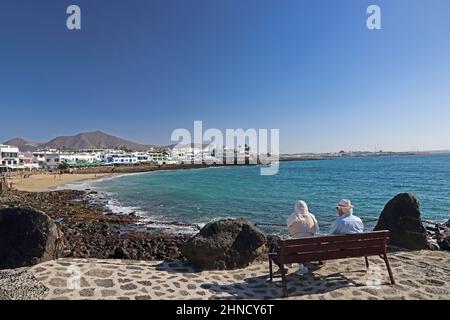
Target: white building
{"type": "Point", "coordinates": [108, 153]}
{"type": "Point", "coordinates": [9, 158]}
{"type": "Point", "coordinates": [76, 157]}
{"type": "Point", "coordinates": [39, 158]}
{"type": "Point", "coordinates": [117, 159]}
{"type": "Point", "coordinates": [27, 161]}
{"type": "Point", "coordinates": [190, 154]}
{"type": "Point", "coordinates": [142, 157]}
{"type": "Point", "coordinates": [183, 154]}
{"type": "Point", "coordinates": [49, 159]}
{"type": "Point", "coordinates": [160, 158]}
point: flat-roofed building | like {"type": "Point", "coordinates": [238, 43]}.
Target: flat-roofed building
{"type": "Point", "coordinates": [9, 158]}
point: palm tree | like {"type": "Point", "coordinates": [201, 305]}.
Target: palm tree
{"type": "Point", "coordinates": [63, 166]}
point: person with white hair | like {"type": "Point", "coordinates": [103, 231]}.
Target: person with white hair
{"type": "Point", "coordinates": [301, 224]}
{"type": "Point", "coordinates": [346, 222]}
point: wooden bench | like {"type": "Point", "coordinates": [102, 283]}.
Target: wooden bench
{"type": "Point", "coordinates": [329, 248]}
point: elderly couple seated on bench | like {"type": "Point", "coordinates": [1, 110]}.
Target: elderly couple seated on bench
{"type": "Point", "coordinates": [347, 239]}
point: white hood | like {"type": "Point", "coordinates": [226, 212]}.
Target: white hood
{"type": "Point", "coordinates": [301, 220]}
{"type": "Point", "coordinates": [301, 208]}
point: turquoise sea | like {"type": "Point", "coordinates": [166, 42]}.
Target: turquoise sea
{"type": "Point", "coordinates": [198, 196]}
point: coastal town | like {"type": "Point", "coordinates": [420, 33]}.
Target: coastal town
{"type": "Point", "coordinates": [46, 167]}
{"type": "Point", "coordinates": [12, 159]}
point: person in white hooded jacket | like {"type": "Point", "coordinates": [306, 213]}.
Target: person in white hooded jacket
{"type": "Point", "coordinates": [301, 224]}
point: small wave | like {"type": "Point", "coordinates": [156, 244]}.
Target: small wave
{"type": "Point", "coordinates": [147, 222]}
{"type": "Point", "coordinates": [116, 207]}
{"type": "Point", "coordinates": [93, 184]}
{"type": "Point", "coordinates": [84, 185]}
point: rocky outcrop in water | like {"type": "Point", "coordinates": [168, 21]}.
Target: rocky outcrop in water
{"type": "Point", "coordinates": [440, 235]}
{"type": "Point", "coordinates": [27, 237]}
{"type": "Point", "coordinates": [444, 241]}
{"type": "Point", "coordinates": [225, 244]}
{"type": "Point", "coordinates": [402, 217]}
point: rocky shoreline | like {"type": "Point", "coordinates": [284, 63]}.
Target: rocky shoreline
{"type": "Point", "coordinates": [122, 256]}
{"type": "Point", "coordinates": [92, 231]}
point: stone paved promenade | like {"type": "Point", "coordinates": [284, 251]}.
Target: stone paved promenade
{"type": "Point", "coordinates": [419, 275]}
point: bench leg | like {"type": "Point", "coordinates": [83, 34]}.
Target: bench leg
{"type": "Point", "coordinates": [283, 281]}
{"type": "Point", "coordinates": [388, 267]}
{"type": "Point", "coordinates": [270, 270]}
{"type": "Point", "coordinates": [367, 262]}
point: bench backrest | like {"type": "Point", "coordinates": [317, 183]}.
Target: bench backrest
{"type": "Point", "coordinates": [333, 247]}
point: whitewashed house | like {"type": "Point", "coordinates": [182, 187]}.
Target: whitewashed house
{"type": "Point", "coordinates": [9, 158]}
{"type": "Point", "coordinates": [190, 154]}
{"type": "Point", "coordinates": [108, 153]}
{"type": "Point", "coordinates": [49, 159]}
{"type": "Point", "coordinates": [142, 157]}
{"type": "Point", "coordinates": [27, 161]}
{"type": "Point", "coordinates": [183, 154]}
{"type": "Point", "coordinates": [160, 158]}
{"type": "Point", "coordinates": [118, 159]}
{"type": "Point", "coordinates": [76, 157]}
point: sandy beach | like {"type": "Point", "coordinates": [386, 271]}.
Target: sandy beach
{"type": "Point", "coordinates": [45, 182]}
{"type": "Point", "coordinates": [42, 182]}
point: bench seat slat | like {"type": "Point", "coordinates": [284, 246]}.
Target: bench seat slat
{"type": "Point", "coordinates": [329, 255]}
{"type": "Point", "coordinates": [332, 246]}
{"type": "Point", "coordinates": [337, 238]}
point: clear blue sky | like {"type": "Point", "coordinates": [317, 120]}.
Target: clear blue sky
{"type": "Point", "coordinates": [141, 68]}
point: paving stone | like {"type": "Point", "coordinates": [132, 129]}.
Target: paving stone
{"type": "Point", "coordinates": [106, 283]}
{"type": "Point", "coordinates": [87, 292]}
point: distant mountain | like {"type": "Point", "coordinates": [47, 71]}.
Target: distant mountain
{"type": "Point", "coordinates": [86, 140]}
{"type": "Point", "coordinates": [23, 145]}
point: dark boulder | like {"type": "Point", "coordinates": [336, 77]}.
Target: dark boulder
{"type": "Point", "coordinates": [447, 224]}
{"type": "Point", "coordinates": [120, 253]}
{"type": "Point", "coordinates": [27, 237]}
{"type": "Point", "coordinates": [225, 244]}
{"type": "Point", "coordinates": [444, 240]}
{"type": "Point", "coordinates": [401, 216]}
